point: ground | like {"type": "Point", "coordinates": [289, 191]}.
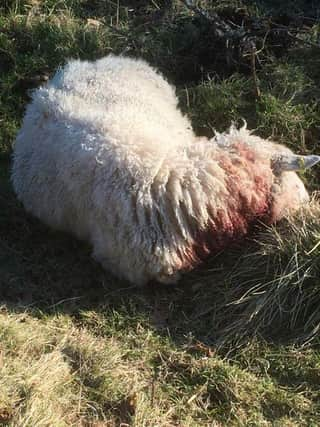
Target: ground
{"type": "Point", "coordinates": [236, 342]}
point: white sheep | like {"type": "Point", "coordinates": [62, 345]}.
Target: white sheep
{"type": "Point", "coordinates": [105, 153]}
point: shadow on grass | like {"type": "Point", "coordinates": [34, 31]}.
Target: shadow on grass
{"type": "Point", "coordinates": [47, 273]}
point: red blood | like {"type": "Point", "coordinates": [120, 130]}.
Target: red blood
{"type": "Point", "coordinates": [248, 186]}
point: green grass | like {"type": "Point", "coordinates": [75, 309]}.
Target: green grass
{"type": "Point", "coordinates": [236, 343]}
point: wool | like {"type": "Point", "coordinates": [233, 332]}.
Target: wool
{"type": "Point", "coordinates": [105, 153]}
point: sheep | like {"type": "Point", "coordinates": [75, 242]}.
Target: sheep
{"type": "Point", "coordinates": [105, 153]}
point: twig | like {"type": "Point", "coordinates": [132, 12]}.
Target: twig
{"type": "Point", "coordinates": [65, 300]}
{"type": "Point", "coordinates": [221, 27]}
{"type": "Point", "coordinates": [304, 41]}
{"type": "Point", "coordinates": [254, 73]}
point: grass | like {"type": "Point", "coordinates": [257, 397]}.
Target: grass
{"type": "Point", "coordinates": [237, 342]}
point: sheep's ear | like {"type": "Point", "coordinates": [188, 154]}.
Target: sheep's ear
{"type": "Point", "coordinates": [293, 162]}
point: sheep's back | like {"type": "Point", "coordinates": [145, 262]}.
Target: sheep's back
{"type": "Point", "coordinates": [91, 134]}
{"type": "Point", "coordinates": [133, 98]}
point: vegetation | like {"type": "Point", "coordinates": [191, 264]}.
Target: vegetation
{"type": "Point", "coordinates": [237, 342]}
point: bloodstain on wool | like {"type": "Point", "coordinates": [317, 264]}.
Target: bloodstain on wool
{"type": "Point", "coordinates": [248, 187]}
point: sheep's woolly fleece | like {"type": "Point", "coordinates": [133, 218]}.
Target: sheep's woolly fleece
{"type": "Point", "coordinates": [105, 153]}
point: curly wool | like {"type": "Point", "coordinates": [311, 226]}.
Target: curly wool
{"type": "Point", "coordinates": [105, 153]}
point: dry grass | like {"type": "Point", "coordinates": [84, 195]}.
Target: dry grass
{"type": "Point", "coordinates": [54, 372]}
{"type": "Point", "coordinates": [267, 287]}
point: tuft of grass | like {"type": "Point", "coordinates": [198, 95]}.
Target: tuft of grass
{"type": "Point", "coordinates": [266, 287]}
{"type": "Point", "coordinates": [215, 104]}
{"type": "Point", "coordinates": [284, 297]}
{"type": "Point", "coordinates": [287, 109]}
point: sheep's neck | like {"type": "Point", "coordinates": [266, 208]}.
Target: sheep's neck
{"type": "Point", "coordinates": [246, 200]}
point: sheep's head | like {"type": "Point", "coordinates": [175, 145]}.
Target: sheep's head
{"type": "Point", "coordinates": [275, 164]}
{"type": "Point", "coordinates": [288, 190]}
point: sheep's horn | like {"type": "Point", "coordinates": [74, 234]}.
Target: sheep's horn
{"type": "Point", "coordinates": [293, 162]}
